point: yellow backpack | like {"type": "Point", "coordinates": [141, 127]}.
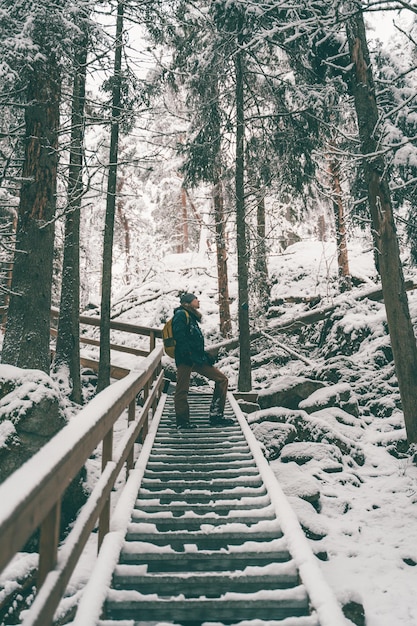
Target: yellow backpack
{"type": "Point", "coordinates": [168, 336]}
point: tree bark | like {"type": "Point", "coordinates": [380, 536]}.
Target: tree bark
{"type": "Point", "coordinates": [345, 280]}
{"type": "Point", "coordinates": [121, 214]}
{"type": "Point", "coordinates": [403, 341]}
{"type": "Point", "coordinates": [106, 280]}
{"type": "Point", "coordinates": [26, 341]}
{"type": "Point", "coordinates": [261, 266]}
{"type": "Point", "coordinates": [184, 220]}
{"type": "Point", "coordinates": [68, 339]}
{"type": "Point", "coordinates": [244, 377]}
{"type": "Point", "coordinates": [221, 252]}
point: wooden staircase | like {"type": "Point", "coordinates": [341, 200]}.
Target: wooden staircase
{"type": "Point", "coordinates": [203, 544]}
{"type": "Point", "coordinates": [202, 534]}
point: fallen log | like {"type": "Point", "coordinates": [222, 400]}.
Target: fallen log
{"type": "Point", "coordinates": [311, 317]}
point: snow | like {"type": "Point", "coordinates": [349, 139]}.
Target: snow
{"type": "Point", "coordinates": [328, 609]}
{"type": "Point", "coordinates": [362, 519]}
{"type": "Point", "coordinates": [27, 387]}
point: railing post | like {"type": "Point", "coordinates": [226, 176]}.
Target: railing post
{"type": "Point", "coordinates": [130, 417]}
{"type": "Point", "coordinates": [144, 430]}
{"type": "Point", "coordinates": [152, 342]}
{"type": "Point", "coordinates": [107, 454]}
{"type": "Point", "coordinates": [48, 542]}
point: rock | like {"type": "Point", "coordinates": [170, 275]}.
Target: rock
{"type": "Point", "coordinates": [288, 392]}
{"type": "Point", "coordinates": [326, 455]}
{"type": "Point", "coordinates": [311, 522]}
{"type": "Point", "coordinates": [277, 414]}
{"type": "Point", "coordinates": [274, 436]}
{"type": "Point", "coordinates": [30, 403]}
{"type": "Point", "coordinates": [331, 425]}
{"type": "Point", "coordinates": [295, 482]}
{"type": "Point", "coordinates": [30, 415]}
{"type": "Point", "coordinates": [336, 395]}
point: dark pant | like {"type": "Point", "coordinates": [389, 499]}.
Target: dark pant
{"type": "Point", "coordinates": [182, 410]}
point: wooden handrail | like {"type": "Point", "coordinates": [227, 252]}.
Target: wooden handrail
{"type": "Point", "coordinates": [147, 331]}
{"type": "Point", "coordinates": [123, 326]}
{"type": "Point", "coordinates": [31, 496]}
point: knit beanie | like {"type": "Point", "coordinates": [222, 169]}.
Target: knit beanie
{"type": "Point", "coordinates": [186, 298]}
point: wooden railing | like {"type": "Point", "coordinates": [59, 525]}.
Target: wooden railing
{"type": "Point", "coordinates": [86, 320]}
{"type": "Point", "coordinates": [31, 497]}
{"type": "Point", "coordinates": [133, 329]}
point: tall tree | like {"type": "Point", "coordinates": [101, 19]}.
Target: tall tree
{"type": "Point", "coordinates": [198, 57]}
{"type": "Point", "coordinates": [68, 339]}
{"type": "Point", "coordinates": [345, 281]}
{"type": "Point", "coordinates": [26, 341]}
{"type": "Point", "coordinates": [244, 378]}
{"type": "Point", "coordinates": [106, 277]}
{"type": "Point", "coordinates": [403, 341]}
{"type": "Point", "coordinates": [261, 266]}
{"type": "Point", "coordinates": [221, 252]}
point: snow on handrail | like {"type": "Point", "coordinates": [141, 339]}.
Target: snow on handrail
{"type": "Point", "coordinates": [322, 598]}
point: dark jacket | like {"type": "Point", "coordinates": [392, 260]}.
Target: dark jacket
{"type": "Point", "coordinates": [189, 340]}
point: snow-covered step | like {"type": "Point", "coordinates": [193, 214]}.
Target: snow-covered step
{"type": "Point", "coordinates": [225, 455]}
{"type": "Point", "coordinates": [205, 447]}
{"type": "Point", "coordinates": [231, 557]}
{"type": "Point", "coordinates": [224, 507]}
{"type": "Point", "coordinates": [185, 438]}
{"type": "Point", "coordinates": [211, 538]}
{"type": "Point", "coordinates": [172, 436]}
{"type": "Point", "coordinates": [193, 522]}
{"type": "Point", "coordinates": [213, 485]}
{"type": "Point", "coordinates": [168, 495]}
{"type": "Point", "coordinates": [188, 477]}
{"type": "Point", "coordinates": [212, 584]}
{"type": "Point", "coordinates": [305, 620]}
{"type": "Point", "coordinates": [241, 514]}
{"type": "Point", "coordinates": [279, 603]}
{"type": "Point", "coordinates": [199, 462]}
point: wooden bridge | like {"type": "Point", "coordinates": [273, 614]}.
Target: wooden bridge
{"type": "Point", "coordinates": [201, 532]}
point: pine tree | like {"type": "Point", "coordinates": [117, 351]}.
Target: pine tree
{"type": "Point", "coordinates": [386, 242]}
{"type": "Point", "coordinates": [106, 278]}
{"type": "Point", "coordinates": [37, 68]}
{"type": "Point", "coordinates": [68, 338]}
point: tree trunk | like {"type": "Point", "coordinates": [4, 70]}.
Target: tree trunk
{"type": "Point", "coordinates": [345, 281]}
{"type": "Point", "coordinates": [121, 214]}
{"type": "Point", "coordinates": [184, 219]}
{"type": "Point", "coordinates": [261, 266]}
{"type": "Point", "coordinates": [26, 341]}
{"type": "Point", "coordinates": [403, 341]}
{"type": "Point", "coordinates": [68, 340]}
{"type": "Point", "coordinates": [221, 251]}
{"type": "Point", "coordinates": [244, 378]}
{"type": "Point", "coordinates": [106, 280]}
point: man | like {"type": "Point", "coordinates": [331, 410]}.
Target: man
{"type": "Point", "coordinates": [190, 356]}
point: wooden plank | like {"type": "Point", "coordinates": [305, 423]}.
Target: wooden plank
{"type": "Point", "coordinates": [248, 396]}
{"type": "Point", "coordinates": [116, 372]}
{"type": "Point", "coordinates": [122, 326]}
{"type": "Point", "coordinates": [106, 457]}
{"type": "Point", "coordinates": [48, 543]}
{"type": "Point", "coordinates": [113, 346]}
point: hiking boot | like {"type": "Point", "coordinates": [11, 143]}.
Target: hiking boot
{"type": "Point", "coordinates": [220, 420]}
{"type": "Point", "coordinates": [186, 426]}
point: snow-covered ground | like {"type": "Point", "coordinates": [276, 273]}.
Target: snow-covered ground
{"type": "Point", "coordinates": [364, 521]}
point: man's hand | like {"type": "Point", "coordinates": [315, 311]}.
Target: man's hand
{"type": "Point", "coordinates": [211, 355]}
